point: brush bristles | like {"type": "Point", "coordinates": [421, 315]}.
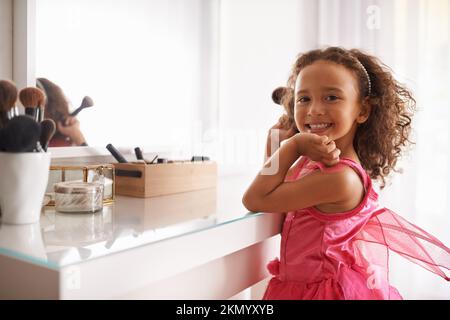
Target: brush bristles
{"type": "Point", "coordinates": [87, 102]}
{"type": "Point", "coordinates": [20, 134]}
{"type": "Point", "coordinates": [48, 129]}
{"type": "Point", "coordinates": [8, 95]}
{"type": "Point", "coordinates": [32, 97]}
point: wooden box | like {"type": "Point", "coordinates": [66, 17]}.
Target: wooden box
{"type": "Point", "coordinates": [151, 180]}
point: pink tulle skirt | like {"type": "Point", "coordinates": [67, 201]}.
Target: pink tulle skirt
{"type": "Point", "coordinates": [348, 285]}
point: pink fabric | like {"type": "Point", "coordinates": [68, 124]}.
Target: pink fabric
{"type": "Point", "coordinates": [346, 255]}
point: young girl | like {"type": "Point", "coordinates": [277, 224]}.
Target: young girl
{"type": "Point", "coordinates": [353, 120]}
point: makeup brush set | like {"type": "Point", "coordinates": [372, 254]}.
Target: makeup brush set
{"type": "Point", "coordinates": [160, 176]}
{"type": "Point", "coordinates": [28, 132]}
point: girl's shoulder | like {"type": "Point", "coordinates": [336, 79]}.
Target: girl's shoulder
{"type": "Point", "coordinates": [308, 165]}
{"type": "Point", "coordinates": [346, 166]}
{"type": "Point", "coordinates": [355, 183]}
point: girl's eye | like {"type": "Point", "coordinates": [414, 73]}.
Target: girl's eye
{"type": "Point", "coordinates": [303, 100]}
{"type": "Point", "coordinates": [331, 98]}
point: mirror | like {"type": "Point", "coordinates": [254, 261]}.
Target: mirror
{"type": "Point", "coordinates": [147, 65]}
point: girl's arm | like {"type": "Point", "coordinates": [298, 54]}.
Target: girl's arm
{"type": "Point", "coordinates": [284, 132]}
{"type": "Point", "coordinates": [268, 192]}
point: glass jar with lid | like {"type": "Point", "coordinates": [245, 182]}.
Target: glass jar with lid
{"type": "Point", "coordinates": [74, 196]}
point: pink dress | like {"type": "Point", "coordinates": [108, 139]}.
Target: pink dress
{"type": "Point", "coordinates": [345, 255]}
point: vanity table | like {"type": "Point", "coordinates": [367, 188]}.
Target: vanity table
{"type": "Point", "coordinates": [194, 245]}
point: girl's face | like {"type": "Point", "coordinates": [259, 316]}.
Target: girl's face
{"type": "Point", "coordinates": [327, 101]}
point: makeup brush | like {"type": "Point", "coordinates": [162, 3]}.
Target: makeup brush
{"type": "Point", "coordinates": [138, 153]}
{"type": "Point", "coordinates": [116, 154]}
{"type": "Point", "coordinates": [140, 156]}
{"type": "Point", "coordinates": [20, 134]}
{"type": "Point", "coordinates": [86, 103]}
{"type": "Point", "coordinates": [8, 99]}
{"type": "Point", "coordinates": [33, 99]}
{"type": "Point", "coordinates": [48, 129]}
{"type": "Point", "coordinates": [154, 159]}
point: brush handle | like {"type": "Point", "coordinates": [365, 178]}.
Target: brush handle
{"type": "Point", "coordinates": [140, 156]}
{"type": "Point", "coordinates": [138, 153]}
{"type": "Point", "coordinates": [43, 142]}
{"type": "Point", "coordinates": [5, 116]}
{"type": "Point", "coordinates": [156, 157]}
{"type": "Point", "coordinates": [34, 113]}
{"type": "Point", "coordinates": [76, 111]}
{"type": "Point", "coordinates": [48, 129]}
{"type": "Point", "coordinates": [41, 114]}
{"type": "Point", "coordinates": [73, 114]}
{"type": "Point", "coordinates": [116, 154]}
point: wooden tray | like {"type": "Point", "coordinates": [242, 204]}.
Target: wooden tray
{"type": "Point", "coordinates": [152, 180]}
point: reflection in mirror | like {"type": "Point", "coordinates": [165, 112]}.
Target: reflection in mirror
{"type": "Point", "coordinates": [68, 132]}
{"type": "Point", "coordinates": [148, 66]}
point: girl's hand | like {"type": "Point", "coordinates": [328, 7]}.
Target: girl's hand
{"type": "Point", "coordinates": [71, 128]}
{"type": "Point", "coordinates": [317, 148]}
{"type": "Point", "coordinates": [286, 130]}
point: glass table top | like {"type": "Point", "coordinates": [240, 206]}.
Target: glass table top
{"type": "Point", "coordinates": [62, 239]}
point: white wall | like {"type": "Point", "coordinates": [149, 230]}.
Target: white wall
{"type": "Point", "coordinates": [258, 45]}
{"type": "Point", "coordinates": [6, 39]}
{"type": "Point", "coordinates": [259, 42]}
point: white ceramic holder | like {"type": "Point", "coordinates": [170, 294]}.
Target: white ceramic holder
{"type": "Point", "coordinates": [23, 180]}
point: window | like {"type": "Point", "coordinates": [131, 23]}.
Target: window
{"type": "Point", "coordinates": [146, 64]}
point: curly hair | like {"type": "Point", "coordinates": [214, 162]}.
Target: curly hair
{"type": "Point", "coordinates": [379, 141]}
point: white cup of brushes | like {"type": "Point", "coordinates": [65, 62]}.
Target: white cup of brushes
{"type": "Point", "coordinates": [23, 181]}
{"type": "Point", "coordinates": [24, 165]}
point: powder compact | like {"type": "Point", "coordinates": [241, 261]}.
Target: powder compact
{"type": "Point", "coordinates": [74, 196]}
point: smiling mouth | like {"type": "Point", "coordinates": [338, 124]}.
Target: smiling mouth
{"type": "Point", "coordinates": [318, 126]}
